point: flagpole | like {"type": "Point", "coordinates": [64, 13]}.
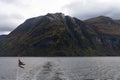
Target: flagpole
{"type": "Point", "coordinates": [17, 74]}
{"type": "Point", "coordinates": [18, 69]}
{"type": "Point", "coordinates": [20, 65]}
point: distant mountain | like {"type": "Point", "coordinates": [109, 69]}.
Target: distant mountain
{"type": "Point", "coordinates": [2, 36]}
{"type": "Point", "coordinates": [106, 25]}
{"type": "Point", "coordinates": [61, 35]}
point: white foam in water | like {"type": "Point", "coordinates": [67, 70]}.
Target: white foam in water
{"type": "Point", "coordinates": [80, 68]}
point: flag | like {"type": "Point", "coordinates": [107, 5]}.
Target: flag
{"type": "Point", "coordinates": [20, 63]}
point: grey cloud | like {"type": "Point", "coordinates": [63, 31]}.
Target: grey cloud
{"type": "Point", "coordinates": [10, 19]}
{"type": "Point", "coordinates": [94, 14]}
{"type": "Point", "coordinates": [5, 28]}
{"type": "Point", "coordinates": [17, 16]}
{"type": "Point", "coordinates": [8, 1]}
{"type": "Point", "coordinates": [7, 22]}
{"type": "Point", "coordinates": [11, 16]}
{"type": "Point", "coordinates": [84, 9]}
{"type": "Point", "coordinates": [16, 3]}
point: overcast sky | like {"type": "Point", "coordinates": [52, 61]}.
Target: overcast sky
{"type": "Point", "coordinates": [15, 12]}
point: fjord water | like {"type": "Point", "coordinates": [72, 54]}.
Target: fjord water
{"type": "Point", "coordinates": [61, 68]}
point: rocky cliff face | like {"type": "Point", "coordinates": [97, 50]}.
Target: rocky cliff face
{"type": "Point", "coordinates": [60, 35]}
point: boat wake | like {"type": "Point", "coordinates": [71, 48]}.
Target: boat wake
{"type": "Point", "coordinates": [48, 71]}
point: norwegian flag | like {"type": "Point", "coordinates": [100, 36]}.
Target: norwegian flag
{"type": "Point", "coordinates": [20, 63]}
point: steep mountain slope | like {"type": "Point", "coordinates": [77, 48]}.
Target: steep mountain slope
{"type": "Point", "coordinates": [60, 35]}
{"type": "Point", "coordinates": [108, 32]}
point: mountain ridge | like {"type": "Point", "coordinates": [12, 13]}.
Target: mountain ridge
{"type": "Point", "coordinates": [61, 35]}
{"type": "Point", "coordinates": [2, 36]}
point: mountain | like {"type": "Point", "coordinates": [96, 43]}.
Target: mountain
{"type": "Point", "coordinates": [108, 33]}
{"type": "Point", "coordinates": [106, 25]}
{"type": "Point", "coordinates": [2, 36]}
{"type": "Point", "coordinates": [61, 35]}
